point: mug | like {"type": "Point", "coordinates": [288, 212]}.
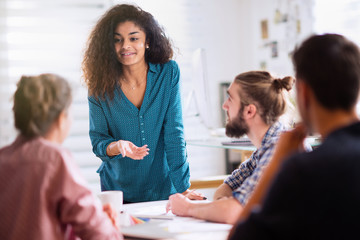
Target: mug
{"type": "Point", "coordinates": [114, 198]}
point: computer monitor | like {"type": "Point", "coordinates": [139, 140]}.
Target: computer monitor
{"type": "Point", "coordinates": [200, 90]}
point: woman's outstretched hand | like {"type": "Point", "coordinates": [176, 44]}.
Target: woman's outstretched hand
{"type": "Point", "coordinates": [127, 149]}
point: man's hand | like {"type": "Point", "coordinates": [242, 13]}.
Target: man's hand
{"type": "Point", "coordinates": [193, 195]}
{"type": "Point", "coordinates": [290, 142]}
{"type": "Point", "coordinates": [179, 205]}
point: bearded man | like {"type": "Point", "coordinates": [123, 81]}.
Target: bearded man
{"type": "Point", "coordinates": [255, 102]}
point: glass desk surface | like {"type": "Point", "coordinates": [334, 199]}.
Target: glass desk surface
{"type": "Point", "coordinates": [238, 144]}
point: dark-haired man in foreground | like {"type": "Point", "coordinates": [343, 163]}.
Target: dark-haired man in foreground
{"type": "Point", "coordinates": [314, 195]}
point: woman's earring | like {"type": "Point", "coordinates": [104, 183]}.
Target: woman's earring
{"type": "Point", "coordinates": [147, 46]}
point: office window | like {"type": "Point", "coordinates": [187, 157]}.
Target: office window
{"type": "Point", "coordinates": [342, 17]}
{"type": "Point", "coordinates": [40, 36]}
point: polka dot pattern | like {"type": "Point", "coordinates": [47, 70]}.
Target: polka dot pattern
{"type": "Point", "coordinates": [158, 124]}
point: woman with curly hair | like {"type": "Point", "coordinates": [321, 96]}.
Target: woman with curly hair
{"type": "Point", "coordinates": [136, 125]}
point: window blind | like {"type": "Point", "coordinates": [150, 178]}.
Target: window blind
{"type": "Point", "coordinates": [39, 36]}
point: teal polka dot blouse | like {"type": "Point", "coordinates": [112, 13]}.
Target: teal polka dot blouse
{"type": "Point", "coordinates": [158, 123]}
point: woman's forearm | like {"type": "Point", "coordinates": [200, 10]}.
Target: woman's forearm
{"type": "Point", "coordinates": [113, 149]}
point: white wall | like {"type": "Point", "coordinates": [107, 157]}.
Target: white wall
{"type": "Point", "coordinates": [285, 33]}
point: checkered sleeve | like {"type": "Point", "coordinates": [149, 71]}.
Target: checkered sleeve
{"type": "Point", "coordinates": [244, 191]}
{"type": "Point", "coordinates": [238, 176]}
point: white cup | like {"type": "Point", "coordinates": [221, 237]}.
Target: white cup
{"type": "Point", "coordinates": [114, 198]}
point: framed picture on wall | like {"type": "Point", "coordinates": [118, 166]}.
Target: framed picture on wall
{"type": "Point", "coordinates": [264, 29]}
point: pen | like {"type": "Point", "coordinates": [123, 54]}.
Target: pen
{"type": "Point", "coordinates": [191, 191]}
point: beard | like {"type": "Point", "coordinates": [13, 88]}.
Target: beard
{"type": "Point", "coordinates": [237, 127]}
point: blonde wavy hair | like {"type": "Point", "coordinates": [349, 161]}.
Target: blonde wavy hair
{"type": "Point", "coordinates": [38, 102]}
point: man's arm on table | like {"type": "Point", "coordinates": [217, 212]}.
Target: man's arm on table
{"type": "Point", "coordinates": [224, 190]}
{"type": "Point", "coordinates": [225, 210]}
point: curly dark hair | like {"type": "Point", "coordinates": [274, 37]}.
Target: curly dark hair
{"type": "Point", "coordinates": [101, 68]}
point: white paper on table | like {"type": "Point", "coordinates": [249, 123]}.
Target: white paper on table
{"type": "Point", "coordinates": [155, 212]}
{"type": "Point", "coordinates": [190, 225]}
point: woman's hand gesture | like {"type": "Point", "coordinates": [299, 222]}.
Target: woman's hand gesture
{"type": "Point", "coordinates": [128, 149]}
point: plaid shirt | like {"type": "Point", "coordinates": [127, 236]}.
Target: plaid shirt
{"type": "Point", "coordinates": [244, 179]}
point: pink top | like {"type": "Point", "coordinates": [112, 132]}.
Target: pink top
{"type": "Point", "coordinates": [42, 193]}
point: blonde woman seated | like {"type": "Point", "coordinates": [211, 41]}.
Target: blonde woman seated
{"type": "Point", "coordinates": [42, 193]}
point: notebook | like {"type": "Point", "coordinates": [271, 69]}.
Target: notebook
{"type": "Point", "coordinates": [238, 142]}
